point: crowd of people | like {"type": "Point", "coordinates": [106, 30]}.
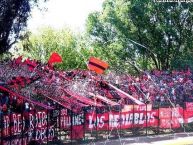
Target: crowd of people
{"type": "Point", "coordinates": [162, 88]}
{"type": "Point", "coordinates": [159, 87]}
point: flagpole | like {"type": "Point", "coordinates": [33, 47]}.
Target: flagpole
{"type": "Point", "coordinates": [125, 94]}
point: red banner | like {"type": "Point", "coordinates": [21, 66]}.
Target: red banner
{"type": "Point", "coordinates": [177, 117]}
{"type": "Point", "coordinates": [188, 116]}
{"type": "Point", "coordinates": [165, 116]}
{"type": "Point", "coordinates": [131, 116]}
{"type": "Point", "coordinates": [170, 117]}
{"type": "Point", "coordinates": [28, 123]}
{"type": "Point", "coordinates": [97, 122]}
{"type": "Point", "coordinates": [122, 120]}
{"type": "Point", "coordinates": [76, 124]}
{"type": "Point", "coordinates": [189, 106]}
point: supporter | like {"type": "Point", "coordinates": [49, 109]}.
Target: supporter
{"type": "Point", "coordinates": [26, 107]}
{"type": "Point", "coordinates": [4, 102]}
{"type": "Point", "coordinates": [157, 87]}
{"type": "Point", "coordinates": [160, 87]}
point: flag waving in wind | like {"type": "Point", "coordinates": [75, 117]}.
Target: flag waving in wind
{"type": "Point", "coordinates": [97, 65]}
{"type": "Point", "coordinates": [54, 58]}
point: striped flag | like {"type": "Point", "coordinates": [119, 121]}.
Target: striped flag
{"type": "Point", "coordinates": [97, 65]}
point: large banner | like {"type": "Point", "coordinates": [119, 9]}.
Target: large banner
{"type": "Point", "coordinates": [40, 125]}
{"type": "Point", "coordinates": [121, 120]}
{"type": "Point", "coordinates": [170, 117]}
{"type": "Point", "coordinates": [27, 126]}
{"type": "Point", "coordinates": [189, 106]}
{"type": "Point", "coordinates": [73, 122]}
{"type": "Point", "coordinates": [188, 112]}
{"type": "Point", "coordinates": [131, 116]}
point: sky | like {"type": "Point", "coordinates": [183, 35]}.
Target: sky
{"type": "Point", "coordinates": [60, 13]}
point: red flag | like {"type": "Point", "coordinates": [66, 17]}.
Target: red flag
{"type": "Point", "coordinates": [54, 58]}
{"type": "Point", "coordinates": [97, 65]}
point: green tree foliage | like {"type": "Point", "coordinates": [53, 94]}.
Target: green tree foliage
{"type": "Point", "coordinates": [13, 17]}
{"type": "Point", "coordinates": [72, 48]}
{"type": "Point", "coordinates": [164, 31]}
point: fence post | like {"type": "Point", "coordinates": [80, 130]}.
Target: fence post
{"type": "Point", "coordinates": [133, 119]}
{"type": "Point", "coordinates": [71, 124]}
{"type": "Point", "coordinates": [59, 122]}
{"type": "Point", "coordinates": [171, 120]}
{"type": "Point", "coordinates": [27, 126]}
{"type": "Point", "coordinates": [120, 118]}
{"type": "Point", "coordinates": [2, 126]}
{"type": "Point", "coordinates": [22, 126]}
{"type": "Point", "coordinates": [35, 122]}
{"type": "Point", "coordinates": [10, 133]}
{"type": "Point", "coordinates": [108, 123]}
{"type": "Point", "coordinates": [84, 125]}
{"type": "Point", "coordinates": [184, 106]}
{"type": "Point", "coordinates": [47, 125]}
{"type": "Point", "coordinates": [146, 118]}
{"type": "Point", "coordinates": [96, 124]}
{"type": "Point", "coordinates": [158, 127]}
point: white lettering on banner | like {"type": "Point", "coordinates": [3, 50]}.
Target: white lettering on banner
{"type": "Point", "coordinates": [17, 123]}
{"type": "Point", "coordinates": [37, 125]}
{"type": "Point", "coordinates": [142, 118]}
{"type": "Point", "coordinates": [6, 125]}
{"type": "Point", "coordinates": [152, 118]}
{"type": "Point", "coordinates": [130, 116]}
{"type": "Point", "coordinates": [93, 123]}
{"type": "Point", "coordinates": [65, 121]}
{"type": "Point", "coordinates": [136, 118]}
{"type": "Point", "coordinates": [115, 120]}
{"type": "Point", "coordinates": [143, 107]}
{"type": "Point", "coordinates": [127, 119]}
{"type": "Point", "coordinates": [41, 133]}
{"type": "Point", "coordinates": [31, 118]}
{"type": "Point", "coordinates": [41, 119]}
{"type": "Point", "coordinates": [101, 121]}
{"type": "Point", "coordinates": [78, 119]}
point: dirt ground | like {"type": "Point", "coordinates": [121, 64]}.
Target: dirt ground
{"type": "Point", "coordinates": [169, 139]}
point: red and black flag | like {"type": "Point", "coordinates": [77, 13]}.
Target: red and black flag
{"type": "Point", "coordinates": [97, 65]}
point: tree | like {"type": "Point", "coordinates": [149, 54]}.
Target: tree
{"type": "Point", "coordinates": [147, 33]}
{"type": "Point", "coordinates": [71, 47]}
{"type": "Point", "coordinates": [13, 17]}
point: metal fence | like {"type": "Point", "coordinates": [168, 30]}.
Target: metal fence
{"type": "Point", "coordinates": [92, 124]}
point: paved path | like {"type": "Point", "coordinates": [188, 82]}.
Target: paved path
{"type": "Point", "coordinates": [169, 139]}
